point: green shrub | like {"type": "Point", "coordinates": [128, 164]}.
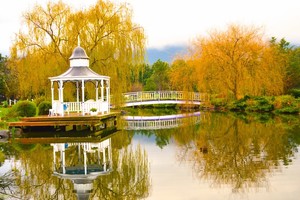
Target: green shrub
{"type": "Point", "coordinates": [218, 102]}
{"type": "Point", "coordinates": [5, 104]}
{"type": "Point", "coordinates": [12, 114]}
{"type": "Point", "coordinates": [39, 100]}
{"type": "Point", "coordinates": [286, 104]}
{"type": "Point", "coordinates": [4, 111]}
{"type": "Point", "coordinates": [259, 104]}
{"type": "Point", "coordinates": [239, 105]}
{"type": "Point", "coordinates": [295, 92]}
{"type": "Point", "coordinates": [43, 108]}
{"type": "Point", "coordinates": [25, 108]}
{"type": "Point", "coordinates": [284, 101]}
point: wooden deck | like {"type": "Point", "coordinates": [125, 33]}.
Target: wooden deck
{"type": "Point", "coordinates": [73, 121]}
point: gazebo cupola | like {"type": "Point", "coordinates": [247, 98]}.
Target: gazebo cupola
{"type": "Point", "coordinates": [79, 58]}
{"type": "Point", "coordinates": [80, 73]}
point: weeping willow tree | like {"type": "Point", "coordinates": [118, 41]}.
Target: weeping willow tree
{"type": "Point", "coordinates": [237, 62]}
{"type": "Point", "coordinates": [114, 44]}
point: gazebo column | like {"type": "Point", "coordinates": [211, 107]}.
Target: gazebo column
{"type": "Point", "coordinates": [59, 91]}
{"type": "Point", "coordinates": [102, 96]}
{"type": "Point", "coordinates": [52, 92]}
{"type": "Point", "coordinates": [102, 90]}
{"type": "Point", "coordinates": [97, 90]}
{"type": "Point", "coordinates": [97, 97]}
{"type": "Point", "coordinates": [107, 96]}
{"type": "Point", "coordinates": [61, 97]}
{"type": "Point", "coordinates": [82, 90]}
{"type": "Point", "coordinates": [77, 96]}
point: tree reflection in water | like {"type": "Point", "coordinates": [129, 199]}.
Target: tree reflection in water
{"type": "Point", "coordinates": [7, 185]}
{"type": "Point", "coordinates": [34, 179]}
{"type": "Point", "coordinates": [238, 152]}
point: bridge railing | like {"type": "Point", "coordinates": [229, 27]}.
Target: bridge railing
{"type": "Point", "coordinates": [163, 95]}
{"type": "Point", "coordinates": [160, 122]}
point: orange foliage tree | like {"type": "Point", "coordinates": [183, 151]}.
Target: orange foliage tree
{"type": "Point", "coordinates": [182, 76]}
{"type": "Point", "coordinates": [236, 62]}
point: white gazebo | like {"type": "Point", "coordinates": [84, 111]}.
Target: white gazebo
{"type": "Point", "coordinates": [80, 73]}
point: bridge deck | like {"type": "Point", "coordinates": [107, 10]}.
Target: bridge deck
{"type": "Point", "coordinates": [153, 102]}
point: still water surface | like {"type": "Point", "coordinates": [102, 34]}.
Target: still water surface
{"type": "Point", "coordinates": [216, 156]}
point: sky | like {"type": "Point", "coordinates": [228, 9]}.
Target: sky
{"type": "Point", "coordinates": [169, 23]}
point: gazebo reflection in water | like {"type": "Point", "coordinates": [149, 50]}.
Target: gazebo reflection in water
{"type": "Point", "coordinates": [82, 163]}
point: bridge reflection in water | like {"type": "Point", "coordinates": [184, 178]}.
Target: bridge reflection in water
{"type": "Point", "coordinates": [160, 122]}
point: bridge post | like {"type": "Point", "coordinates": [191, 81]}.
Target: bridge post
{"type": "Point", "coordinates": [156, 95]}
{"type": "Point", "coordinates": [140, 96]}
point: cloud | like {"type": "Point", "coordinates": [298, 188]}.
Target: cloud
{"type": "Point", "coordinates": [177, 22]}
{"type": "Point", "coordinates": [171, 22]}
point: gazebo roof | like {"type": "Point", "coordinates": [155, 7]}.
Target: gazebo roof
{"type": "Point", "coordinates": [79, 68]}
{"type": "Point", "coordinates": [79, 73]}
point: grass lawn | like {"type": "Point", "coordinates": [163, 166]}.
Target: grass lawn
{"type": "Point", "coordinates": [3, 111]}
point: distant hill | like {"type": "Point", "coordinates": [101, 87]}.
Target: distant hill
{"type": "Point", "coordinates": [165, 54]}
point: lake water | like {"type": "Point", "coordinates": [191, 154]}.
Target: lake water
{"type": "Point", "coordinates": [208, 156]}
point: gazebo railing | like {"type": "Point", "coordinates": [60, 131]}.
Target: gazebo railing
{"type": "Point", "coordinates": [74, 106]}
{"type": "Point", "coordinates": [79, 107]}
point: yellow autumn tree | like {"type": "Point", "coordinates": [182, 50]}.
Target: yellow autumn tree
{"type": "Point", "coordinates": [236, 62]}
{"type": "Point", "coordinates": [182, 76]}
{"type": "Point", "coordinates": [114, 44]}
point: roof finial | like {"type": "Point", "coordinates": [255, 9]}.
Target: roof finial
{"type": "Point", "coordinates": [78, 40]}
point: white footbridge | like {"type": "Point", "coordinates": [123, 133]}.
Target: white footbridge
{"type": "Point", "coordinates": [160, 122]}
{"type": "Point", "coordinates": [163, 97]}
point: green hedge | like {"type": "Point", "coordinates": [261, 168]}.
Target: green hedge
{"type": "Point", "coordinates": [259, 104]}
{"type": "Point", "coordinates": [295, 92]}
{"type": "Point", "coordinates": [218, 102]}
{"type": "Point", "coordinates": [286, 104]}
{"type": "Point", "coordinates": [43, 108]}
{"type": "Point", "coordinates": [239, 105]}
{"type": "Point", "coordinates": [25, 108]}
{"type": "Point", "coordinates": [279, 104]}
